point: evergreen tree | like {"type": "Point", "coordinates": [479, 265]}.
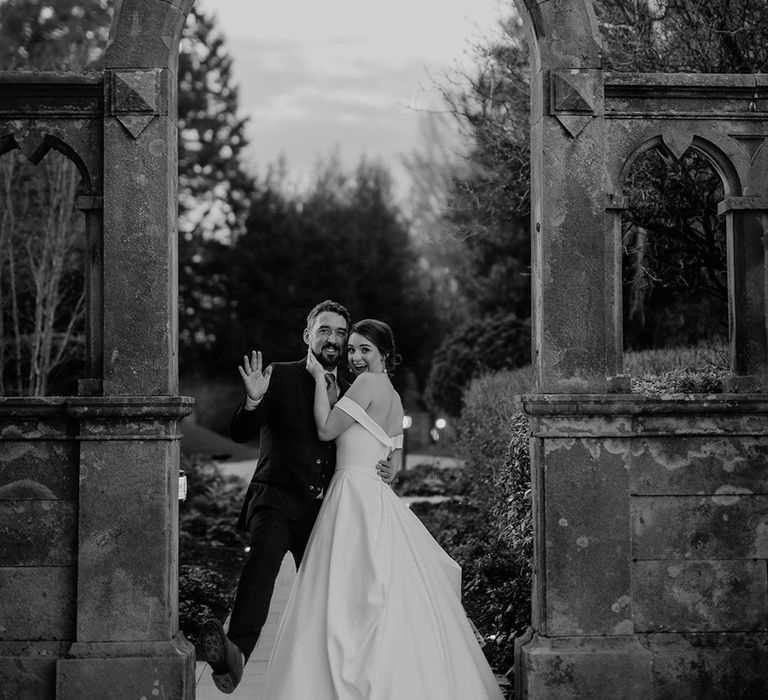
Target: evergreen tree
{"type": "Point", "coordinates": [214, 187]}
{"type": "Point", "coordinates": [344, 239]}
{"type": "Point", "coordinates": [675, 257]}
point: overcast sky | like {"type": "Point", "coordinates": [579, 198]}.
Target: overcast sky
{"type": "Point", "coordinates": [352, 75]}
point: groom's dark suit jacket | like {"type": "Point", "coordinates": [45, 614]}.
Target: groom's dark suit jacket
{"type": "Point", "coordinates": [294, 466]}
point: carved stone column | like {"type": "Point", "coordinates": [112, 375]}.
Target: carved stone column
{"type": "Point", "coordinates": [747, 227]}
{"type": "Point", "coordinates": [127, 554]}
{"type": "Point", "coordinates": [140, 234]}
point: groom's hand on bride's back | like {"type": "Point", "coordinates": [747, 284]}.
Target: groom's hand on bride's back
{"type": "Point", "coordinates": [255, 381]}
{"type": "Point", "coordinates": [387, 470]}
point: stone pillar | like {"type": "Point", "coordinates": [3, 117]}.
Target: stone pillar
{"type": "Point", "coordinates": [140, 233]}
{"type": "Point", "coordinates": [127, 557]}
{"type": "Point", "coordinates": [573, 272]}
{"type": "Point", "coordinates": [747, 227]}
{"type": "Point", "coordinates": [583, 645]}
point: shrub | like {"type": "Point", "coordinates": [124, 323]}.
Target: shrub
{"type": "Point", "coordinates": [657, 362]}
{"type": "Point", "coordinates": [211, 550]}
{"type": "Point", "coordinates": [678, 371]}
{"type": "Point", "coordinates": [429, 480]}
{"type": "Point", "coordinates": [463, 531]}
{"type": "Point", "coordinates": [203, 593]}
{"type": "Point", "coordinates": [484, 430]}
{"type": "Point", "coordinates": [511, 513]}
{"type": "Point", "coordinates": [477, 347]}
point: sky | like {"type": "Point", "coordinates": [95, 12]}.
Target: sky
{"type": "Point", "coordinates": [350, 76]}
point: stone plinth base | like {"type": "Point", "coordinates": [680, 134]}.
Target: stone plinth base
{"type": "Point", "coordinates": [724, 666]}
{"type": "Point", "coordinates": [28, 669]}
{"type": "Point", "coordinates": [567, 668]}
{"type": "Point", "coordinates": [716, 666]}
{"type": "Point", "coordinates": [124, 671]}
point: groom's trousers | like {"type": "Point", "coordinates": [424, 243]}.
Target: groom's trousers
{"type": "Point", "coordinates": [272, 536]}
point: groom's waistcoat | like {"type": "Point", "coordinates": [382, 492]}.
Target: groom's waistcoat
{"type": "Point", "coordinates": [294, 466]}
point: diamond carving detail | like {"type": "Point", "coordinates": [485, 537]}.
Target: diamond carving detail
{"type": "Point", "coordinates": [136, 91]}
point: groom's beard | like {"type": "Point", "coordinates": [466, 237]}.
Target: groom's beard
{"type": "Point", "coordinates": [328, 363]}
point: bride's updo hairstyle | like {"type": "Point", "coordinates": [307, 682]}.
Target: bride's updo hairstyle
{"type": "Point", "coordinates": [380, 334]}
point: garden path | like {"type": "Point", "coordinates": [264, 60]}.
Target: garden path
{"type": "Point", "coordinates": [252, 685]}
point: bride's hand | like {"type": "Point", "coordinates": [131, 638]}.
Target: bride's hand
{"type": "Point", "coordinates": [314, 367]}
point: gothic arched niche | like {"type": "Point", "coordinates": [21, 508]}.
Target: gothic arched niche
{"type": "Point", "coordinates": [43, 253]}
{"type": "Point", "coordinates": [674, 262]}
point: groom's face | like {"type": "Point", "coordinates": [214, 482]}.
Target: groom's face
{"type": "Point", "coordinates": [327, 338]}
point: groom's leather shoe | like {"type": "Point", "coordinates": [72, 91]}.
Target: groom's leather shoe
{"type": "Point", "coordinates": [224, 657]}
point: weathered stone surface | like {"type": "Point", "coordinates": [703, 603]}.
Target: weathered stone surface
{"type": "Point", "coordinates": [145, 34]}
{"type": "Point", "coordinates": [28, 677]}
{"type": "Point", "coordinates": [586, 523]}
{"type": "Point", "coordinates": [140, 354]}
{"type": "Point", "coordinates": [692, 465]}
{"type": "Point", "coordinates": [584, 667]}
{"type": "Point", "coordinates": [700, 596]}
{"type": "Point", "coordinates": [727, 525]}
{"type": "Point", "coordinates": [564, 31]}
{"type": "Point", "coordinates": [43, 603]}
{"type": "Point", "coordinates": [36, 469]}
{"type": "Point", "coordinates": [38, 533]}
{"type": "Point", "coordinates": [711, 666]}
{"type": "Point", "coordinates": [128, 533]}
{"type": "Point", "coordinates": [141, 672]}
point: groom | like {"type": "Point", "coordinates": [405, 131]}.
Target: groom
{"type": "Point", "coordinates": [285, 494]}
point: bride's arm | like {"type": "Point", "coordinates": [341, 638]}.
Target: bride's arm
{"type": "Point", "coordinates": [332, 423]}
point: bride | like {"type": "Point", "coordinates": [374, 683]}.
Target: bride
{"type": "Point", "coordinates": [375, 612]}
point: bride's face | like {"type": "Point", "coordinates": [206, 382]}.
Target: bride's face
{"type": "Point", "coordinates": [363, 355]}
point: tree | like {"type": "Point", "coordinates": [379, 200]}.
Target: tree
{"type": "Point", "coordinates": [53, 34]}
{"type": "Point", "coordinates": [41, 283]}
{"type": "Point", "coordinates": [488, 198]}
{"type": "Point", "coordinates": [674, 261]}
{"type": "Point", "coordinates": [41, 232]}
{"type": "Point", "coordinates": [343, 239]}
{"type": "Point", "coordinates": [479, 346]}
{"type": "Point", "coordinates": [214, 187]}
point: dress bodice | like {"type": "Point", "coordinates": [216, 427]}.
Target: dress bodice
{"type": "Point", "coordinates": [365, 442]}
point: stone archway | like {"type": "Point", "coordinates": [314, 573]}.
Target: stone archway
{"type": "Point", "coordinates": [649, 565]}
{"type": "Point", "coordinates": [89, 483]}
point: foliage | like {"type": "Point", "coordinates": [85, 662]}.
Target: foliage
{"type": "Point", "coordinates": [674, 252]}
{"type": "Point", "coordinates": [491, 403]}
{"type": "Point", "coordinates": [214, 187]}
{"type": "Point", "coordinates": [511, 512]}
{"type": "Point", "coordinates": [42, 294]}
{"type": "Point", "coordinates": [42, 239]}
{"type": "Point", "coordinates": [203, 593]}
{"type": "Point", "coordinates": [53, 34]}
{"type": "Point", "coordinates": [701, 356]}
{"type": "Point", "coordinates": [211, 551]}
{"type": "Point", "coordinates": [463, 531]}
{"type": "Point", "coordinates": [478, 346]}
{"type": "Point", "coordinates": [343, 239]}
{"type": "Point", "coordinates": [495, 439]}
{"type": "Point", "coordinates": [489, 196]}
{"type": "Point", "coordinates": [718, 36]}
{"type": "Point", "coordinates": [430, 480]}
{"type": "Point", "coordinates": [489, 530]}
{"type": "Point", "coordinates": [493, 436]}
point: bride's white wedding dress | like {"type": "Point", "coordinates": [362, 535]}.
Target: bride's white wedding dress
{"type": "Point", "coordinates": [375, 612]}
